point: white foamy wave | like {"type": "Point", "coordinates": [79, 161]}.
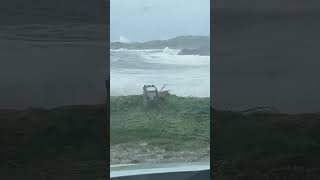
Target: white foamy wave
{"type": "Point", "coordinates": [119, 50]}
{"type": "Point", "coordinates": [172, 57]}
{"type": "Point", "coordinates": [164, 50]}
{"type": "Point", "coordinates": [170, 51]}
{"type": "Point", "coordinates": [135, 50]}
{"type": "Point", "coordinates": [160, 56]}
{"type": "Point", "coordinates": [192, 82]}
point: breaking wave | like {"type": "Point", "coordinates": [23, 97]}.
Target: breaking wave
{"type": "Point", "coordinates": [185, 75]}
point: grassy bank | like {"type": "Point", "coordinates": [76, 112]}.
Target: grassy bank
{"type": "Point", "coordinates": [175, 121]}
{"type": "Point", "coordinates": [178, 124]}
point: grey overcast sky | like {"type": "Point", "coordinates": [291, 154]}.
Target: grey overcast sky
{"type": "Point", "coordinates": [144, 20]}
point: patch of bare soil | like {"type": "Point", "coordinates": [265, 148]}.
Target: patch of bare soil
{"type": "Point", "coordinates": [143, 152]}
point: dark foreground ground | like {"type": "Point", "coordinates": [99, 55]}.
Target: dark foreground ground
{"type": "Point", "coordinates": [266, 145]}
{"type": "Point", "coordinates": [63, 143]}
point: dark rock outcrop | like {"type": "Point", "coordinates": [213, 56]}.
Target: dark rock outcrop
{"type": "Point", "coordinates": [203, 51]}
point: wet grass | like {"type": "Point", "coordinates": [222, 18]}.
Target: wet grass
{"type": "Point", "coordinates": [176, 120]}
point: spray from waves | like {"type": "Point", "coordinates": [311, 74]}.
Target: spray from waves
{"type": "Point", "coordinates": [170, 51]}
{"type": "Point", "coordinates": [164, 50]}
{"type": "Point", "coordinates": [171, 56]}
{"type": "Point", "coordinates": [159, 56]}
{"type": "Point", "coordinates": [124, 39]}
{"type": "Point", "coordinates": [134, 50]}
{"type": "Point", "coordinates": [118, 50]}
{"type": "Point", "coordinates": [197, 83]}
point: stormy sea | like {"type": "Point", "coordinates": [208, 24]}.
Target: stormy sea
{"type": "Point", "coordinates": [182, 75]}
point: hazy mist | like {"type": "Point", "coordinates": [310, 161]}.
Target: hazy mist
{"type": "Point", "coordinates": [143, 20]}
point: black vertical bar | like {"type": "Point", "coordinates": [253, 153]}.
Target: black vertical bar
{"type": "Point", "coordinates": [265, 74]}
{"type": "Point", "coordinates": [53, 96]}
{"type": "Point", "coordinates": [107, 83]}
{"type": "Point", "coordinates": [212, 123]}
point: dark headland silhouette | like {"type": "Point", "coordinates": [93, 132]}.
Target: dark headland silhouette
{"type": "Point", "coordinates": [189, 45]}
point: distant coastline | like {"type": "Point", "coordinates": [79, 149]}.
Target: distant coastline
{"type": "Point", "coordinates": [189, 45]}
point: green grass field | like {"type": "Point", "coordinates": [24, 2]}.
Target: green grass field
{"type": "Point", "coordinates": [177, 124]}
{"type": "Point", "coordinates": [176, 121]}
